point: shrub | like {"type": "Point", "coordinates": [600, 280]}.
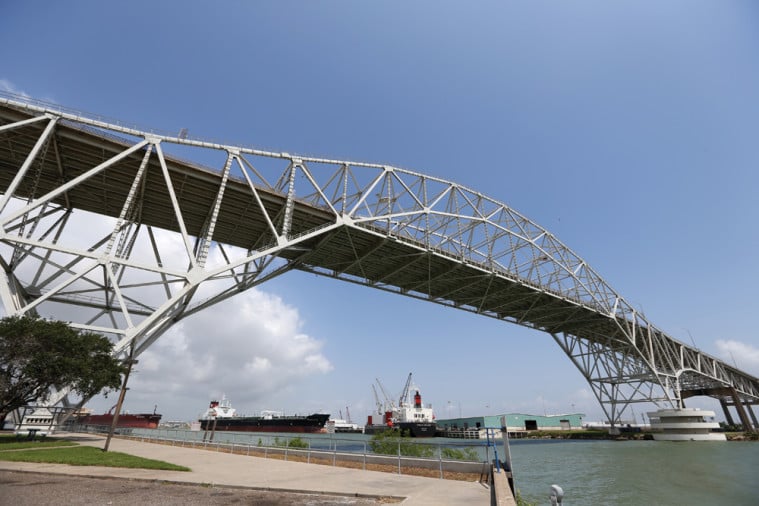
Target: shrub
{"type": "Point", "coordinates": [292, 443]}
{"type": "Point", "coordinates": [466, 454]}
{"type": "Point", "coordinates": [390, 442]}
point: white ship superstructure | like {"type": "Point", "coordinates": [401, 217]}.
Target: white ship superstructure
{"type": "Point", "coordinates": [220, 409]}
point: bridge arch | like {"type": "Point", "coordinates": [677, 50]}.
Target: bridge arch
{"type": "Point", "coordinates": [175, 237]}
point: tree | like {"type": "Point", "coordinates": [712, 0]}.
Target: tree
{"type": "Point", "coordinates": [37, 355]}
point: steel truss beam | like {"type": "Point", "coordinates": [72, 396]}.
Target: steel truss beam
{"type": "Point", "coordinates": [108, 223]}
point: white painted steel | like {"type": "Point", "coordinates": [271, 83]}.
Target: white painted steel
{"type": "Point", "coordinates": [371, 224]}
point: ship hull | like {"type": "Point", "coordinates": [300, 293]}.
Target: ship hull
{"type": "Point", "coordinates": [413, 429]}
{"type": "Point", "coordinates": [135, 421]}
{"type": "Point", "coordinates": [307, 424]}
{"type": "Point", "coordinates": [348, 430]}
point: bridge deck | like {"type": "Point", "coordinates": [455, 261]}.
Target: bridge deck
{"type": "Point", "coordinates": [367, 252]}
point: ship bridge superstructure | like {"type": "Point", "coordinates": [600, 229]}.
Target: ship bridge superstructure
{"type": "Point", "coordinates": [127, 231]}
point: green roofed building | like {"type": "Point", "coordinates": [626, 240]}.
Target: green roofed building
{"type": "Point", "coordinates": [518, 424]}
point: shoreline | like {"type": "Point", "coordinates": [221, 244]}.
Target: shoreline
{"type": "Point", "coordinates": [624, 436]}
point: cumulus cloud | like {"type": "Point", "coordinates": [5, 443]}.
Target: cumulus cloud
{"type": "Point", "coordinates": [744, 355]}
{"type": "Point", "coordinates": [250, 348]}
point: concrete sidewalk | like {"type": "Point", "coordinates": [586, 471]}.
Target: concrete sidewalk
{"type": "Point", "coordinates": [224, 469]}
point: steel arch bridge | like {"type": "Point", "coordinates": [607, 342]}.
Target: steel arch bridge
{"type": "Point", "coordinates": [113, 227]}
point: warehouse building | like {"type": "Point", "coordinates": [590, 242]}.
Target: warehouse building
{"type": "Point", "coordinates": [517, 423]}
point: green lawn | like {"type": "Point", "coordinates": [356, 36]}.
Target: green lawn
{"type": "Point", "coordinates": [11, 442]}
{"type": "Point", "coordinates": [74, 455]}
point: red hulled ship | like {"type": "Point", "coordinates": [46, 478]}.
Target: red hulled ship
{"type": "Point", "coordinates": [132, 420]}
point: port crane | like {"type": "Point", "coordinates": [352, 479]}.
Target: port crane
{"type": "Point", "coordinates": [387, 405]}
{"type": "Point", "coordinates": [380, 405]}
{"type": "Point", "coordinates": [403, 399]}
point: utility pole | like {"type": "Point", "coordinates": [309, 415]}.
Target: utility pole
{"type": "Point", "coordinates": [130, 361]}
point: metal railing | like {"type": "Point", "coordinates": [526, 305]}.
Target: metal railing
{"type": "Point", "coordinates": [402, 455]}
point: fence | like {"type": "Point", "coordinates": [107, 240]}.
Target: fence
{"type": "Point", "coordinates": [429, 457]}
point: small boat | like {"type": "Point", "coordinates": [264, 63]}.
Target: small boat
{"type": "Point", "coordinates": [221, 416]}
{"type": "Point", "coordinates": [684, 424]}
{"type": "Point", "coordinates": [343, 426]}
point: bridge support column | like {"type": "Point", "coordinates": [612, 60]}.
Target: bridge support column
{"type": "Point", "coordinates": [747, 427]}
{"type": "Point", "coordinates": [753, 415]}
{"type": "Point", "coordinates": [726, 411]}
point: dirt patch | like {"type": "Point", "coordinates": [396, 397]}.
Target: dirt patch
{"type": "Point", "coordinates": [35, 489]}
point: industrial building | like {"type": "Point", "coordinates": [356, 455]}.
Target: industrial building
{"type": "Point", "coordinates": [517, 423]}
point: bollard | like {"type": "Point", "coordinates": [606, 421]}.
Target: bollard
{"type": "Point", "coordinates": [557, 495]}
{"type": "Point", "coordinates": [506, 446]}
{"type": "Point", "coordinates": [440, 459]}
{"type": "Point", "coordinates": [399, 455]}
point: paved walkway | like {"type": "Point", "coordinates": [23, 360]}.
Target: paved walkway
{"type": "Point", "coordinates": [224, 469]}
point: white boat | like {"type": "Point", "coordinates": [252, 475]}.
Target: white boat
{"type": "Point", "coordinates": [684, 424]}
{"type": "Point", "coordinates": [339, 425]}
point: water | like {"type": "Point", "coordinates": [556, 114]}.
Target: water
{"type": "Point", "coordinates": [592, 473]}
{"type": "Point", "coordinates": [341, 442]}
{"type": "Point", "coordinates": [622, 473]}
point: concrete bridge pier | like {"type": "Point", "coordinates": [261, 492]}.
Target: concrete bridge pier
{"type": "Point", "coordinates": [722, 394]}
{"type": "Point", "coordinates": [747, 426]}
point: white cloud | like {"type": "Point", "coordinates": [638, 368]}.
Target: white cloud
{"type": "Point", "coordinates": [250, 349]}
{"type": "Point", "coordinates": [744, 355]}
{"type": "Point", "coordinates": [6, 85]}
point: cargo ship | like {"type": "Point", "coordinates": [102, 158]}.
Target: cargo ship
{"type": "Point", "coordinates": [410, 417]}
{"type": "Point", "coordinates": [220, 415]}
{"type": "Point", "coordinates": [131, 420]}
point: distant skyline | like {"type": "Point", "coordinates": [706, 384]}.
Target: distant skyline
{"type": "Point", "coordinates": [628, 130]}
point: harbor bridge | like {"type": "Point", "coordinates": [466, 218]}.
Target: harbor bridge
{"type": "Point", "coordinates": [127, 231]}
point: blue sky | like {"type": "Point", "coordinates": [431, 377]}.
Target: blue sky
{"type": "Point", "coordinates": [628, 129]}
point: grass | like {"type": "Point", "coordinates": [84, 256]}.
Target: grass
{"type": "Point", "coordinates": [523, 502]}
{"type": "Point", "coordinates": [75, 455]}
{"type": "Point", "coordinates": [14, 443]}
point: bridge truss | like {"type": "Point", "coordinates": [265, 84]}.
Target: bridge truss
{"type": "Point", "coordinates": [111, 228]}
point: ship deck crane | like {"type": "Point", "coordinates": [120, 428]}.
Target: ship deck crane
{"type": "Point", "coordinates": [389, 406]}
{"type": "Point", "coordinates": [380, 407]}
{"type": "Point", "coordinates": [403, 400]}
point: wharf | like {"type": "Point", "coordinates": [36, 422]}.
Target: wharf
{"type": "Point", "coordinates": [221, 469]}
{"type": "Point", "coordinates": [479, 433]}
